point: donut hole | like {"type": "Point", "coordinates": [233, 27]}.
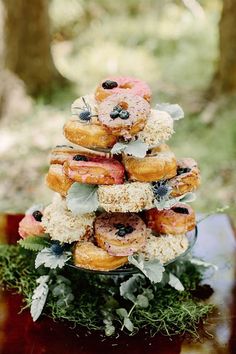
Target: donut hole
{"type": "Point", "coordinates": [180, 210]}
{"type": "Point", "coordinates": [123, 105]}
{"type": "Point", "coordinates": [127, 85]}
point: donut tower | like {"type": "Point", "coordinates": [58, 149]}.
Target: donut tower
{"type": "Point", "coordinates": [119, 187]}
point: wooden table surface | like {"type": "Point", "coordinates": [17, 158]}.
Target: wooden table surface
{"type": "Point", "coordinates": [216, 244]}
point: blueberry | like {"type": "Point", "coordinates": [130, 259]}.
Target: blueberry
{"type": "Point", "coordinates": [37, 215]}
{"type": "Point", "coordinates": [181, 170]}
{"type": "Point", "coordinates": [129, 229]}
{"type": "Point", "coordinates": [109, 84]}
{"type": "Point", "coordinates": [85, 115]}
{"type": "Point", "coordinates": [114, 114]}
{"type": "Point", "coordinates": [124, 114]}
{"type": "Point", "coordinates": [80, 158]}
{"type": "Point", "coordinates": [180, 210]}
{"type": "Point", "coordinates": [117, 108]}
{"type": "Point", "coordinates": [121, 232]}
{"type": "Point", "coordinates": [57, 249]}
{"type": "Point", "coordinates": [119, 226]}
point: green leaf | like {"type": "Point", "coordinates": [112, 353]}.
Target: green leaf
{"type": "Point", "coordinates": [122, 313]}
{"type": "Point", "coordinates": [142, 301]}
{"type": "Point", "coordinates": [82, 198]}
{"type": "Point", "coordinates": [175, 282]}
{"type": "Point", "coordinates": [135, 148]}
{"type": "Point", "coordinates": [128, 287]}
{"type": "Point", "coordinates": [47, 258]}
{"type": "Point", "coordinates": [174, 110]}
{"type": "Point", "coordinates": [39, 297]}
{"type": "Point", "coordinates": [152, 269]}
{"type": "Point", "coordinates": [34, 243]}
{"type": "Point", "coordinates": [128, 324]}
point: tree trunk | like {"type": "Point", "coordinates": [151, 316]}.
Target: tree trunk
{"type": "Point", "coordinates": [225, 77]}
{"type": "Point", "coordinates": [27, 44]}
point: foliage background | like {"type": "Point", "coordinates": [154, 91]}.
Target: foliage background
{"type": "Point", "coordinates": [173, 48]}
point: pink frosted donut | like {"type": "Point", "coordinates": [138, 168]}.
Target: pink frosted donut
{"type": "Point", "coordinates": [122, 84]}
{"type": "Point", "coordinates": [96, 170]}
{"type": "Point", "coordinates": [124, 114]}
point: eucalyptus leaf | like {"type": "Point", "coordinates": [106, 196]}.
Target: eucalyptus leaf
{"type": "Point", "coordinates": [39, 297]}
{"type": "Point", "coordinates": [188, 198]}
{"type": "Point", "coordinates": [82, 198]}
{"type": "Point", "coordinates": [34, 243]}
{"type": "Point", "coordinates": [175, 282]}
{"type": "Point", "coordinates": [174, 110]}
{"type": "Point", "coordinates": [47, 258]}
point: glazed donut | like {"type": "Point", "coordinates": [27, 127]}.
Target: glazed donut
{"type": "Point", "coordinates": [123, 84]}
{"type": "Point", "coordinates": [123, 114]}
{"type": "Point", "coordinates": [164, 247]}
{"type": "Point", "coordinates": [159, 163]}
{"type": "Point", "coordinates": [177, 220]}
{"type": "Point", "coordinates": [187, 179]}
{"type": "Point", "coordinates": [61, 153]}
{"type": "Point", "coordinates": [133, 197]}
{"type": "Point", "coordinates": [57, 180]}
{"type": "Point", "coordinates": [89, 256]}
{"type": "Point", "coordinates": [94, 170]}
{"type": "Point", "coordinates": [158, 129]}
{"type": "Point", "coordinates": [84, 129]}
{"type": "Point", "coordinates": [62, 225]}
{"type": "Point", "coordinates": [120, 234]}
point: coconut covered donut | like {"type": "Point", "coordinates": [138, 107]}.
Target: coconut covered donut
{"type": "Point", "coordinates": [94, 170]}
{"type": "Point", "coordinates": [159, 163]}
{"type": "Point", "coordinates": [123, 114]}
{"type": "Point", "coordinates": [84, 128]}
{"type": "Point", "coordinates": [128, 197]}
{"type": "Point", "coordinates": [120, 234]}
{"type": "Point", "coordinates": [123, 84]}
{"type": "Point", "coordinates": [57, 180]}
{"type": "Point", "coordinates": [158, 129]}
{"type": "Point", "coordinates": [62, 225]}
{"type": "Point", "coordinates": [89, 256]}
{"type": "Point", "coordinates": [61, 153]}
{"type": "Point", "coordinates": [187, 179]}
{"type": "Point", "coordinates": [177, 220]}
{"type": "Point", "coordinates": [164, 247]}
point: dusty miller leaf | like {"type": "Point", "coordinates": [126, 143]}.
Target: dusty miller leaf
{"type": "Point", "coordinates": [135, 148]}
{"type": "Point", "coordinates": [201, 263]}
{"type": "Point", "coordinates": [39, 297]}
{"type": "Point", "coordinates": [34, 243]}
{"type": "Point", "coordinates": [128, 287]}
{"type": "Point", "coordinates": [175, 282]}
{"type": "Point", "coordinates": [142, 301]}
{"type": "Point", "coordinates": [82, 198]}
{"type": "Point", "coordinates": [47, 258]}
{"type": "Point", "coordinates": [174, 110]}
{"type": "Point", "coordinates": [152, 269]}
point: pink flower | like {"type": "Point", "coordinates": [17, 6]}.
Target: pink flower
{"type": "Point", "coordinates": [28, 226]}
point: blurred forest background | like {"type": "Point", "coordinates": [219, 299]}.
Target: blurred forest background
{"type": "Point", "coordinates": [51, 52]}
